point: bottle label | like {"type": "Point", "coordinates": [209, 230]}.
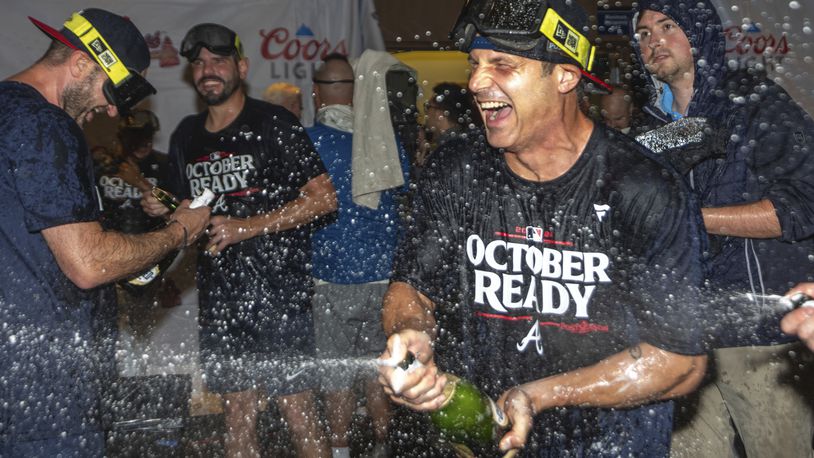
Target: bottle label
{"type": "Point", "coordinates": [146, 277]}
{"type": "Point", "coordinates": [165, 198]}
{"type": "Point", "coordinates": [497, 415]}
{"type": "Point", "coordinates": [462, 451]}
{"type": "Point", "coordinates": [449, 389]}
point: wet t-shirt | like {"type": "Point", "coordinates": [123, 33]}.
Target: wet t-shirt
{"type": "Point", "coordinates": [255, 165]}
{"type": "Point", "coordinates": [47, 353]}
{"type": "Point", "coordinates": [533, 279]}
{"type": "Point", "coordinates": [121, 202]}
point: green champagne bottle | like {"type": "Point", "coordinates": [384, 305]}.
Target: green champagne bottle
{"type": "Point", "coordinates": [136, 285]}
{"type": "Point", "coordinates": [165, 198]}
{"type": "Point", "coordinates": [468, 419]}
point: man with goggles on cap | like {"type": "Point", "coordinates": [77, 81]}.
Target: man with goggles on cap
{"type": "Point", "coordinates": [253, 275]}
{"type": "Point", "coordinates": [55, 254]}
{"type": "Point", "coordinates": [544, 268]}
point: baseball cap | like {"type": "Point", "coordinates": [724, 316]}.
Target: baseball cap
{"type": "Point", "coordinates": [547, 30]}
{"type": "Point", "coordinates": [116, 44]}
{"type": "Point", "coordinates": [551, 30]}
{"type": "Point", "coordinates": [216, 38]}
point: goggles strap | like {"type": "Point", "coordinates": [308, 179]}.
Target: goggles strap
{"type": "Point", "coordinates": [568, 39]}
{"type": "Point", "coordinates": [98, 47]}
{"type": "Point", "coordinates": [238, 47]}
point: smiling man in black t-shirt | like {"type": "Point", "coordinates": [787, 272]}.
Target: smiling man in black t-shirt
{"type": "Point", "coordinates": [253, 276]}
{"type": "Point", "coordinates": [555, 267]}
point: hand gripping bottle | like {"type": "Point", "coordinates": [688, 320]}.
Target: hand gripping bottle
{"type": "Point", "coordinates": [136, 284]}
{"type": "Point", "coordinates": [468, 418]}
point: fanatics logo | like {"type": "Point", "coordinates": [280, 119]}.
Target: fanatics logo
{"type": "Point", "coordinates": [601, 211]}
{"type": "Point", "coordinates": [800, 137]}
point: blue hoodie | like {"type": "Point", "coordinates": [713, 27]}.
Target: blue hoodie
{"type": "Point", "coordinates": [768, 155]}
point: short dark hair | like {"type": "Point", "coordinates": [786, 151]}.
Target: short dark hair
{"type": "Point", "coordinates": [548, 67]}
{"type": "Point", "coordinates": [56, 54]}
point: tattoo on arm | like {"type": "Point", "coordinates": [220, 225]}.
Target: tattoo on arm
{"type": "Point", "coordinates": [635, 352]}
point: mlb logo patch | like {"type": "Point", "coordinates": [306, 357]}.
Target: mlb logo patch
{"type": "Point", "coordinates": [534, 233]}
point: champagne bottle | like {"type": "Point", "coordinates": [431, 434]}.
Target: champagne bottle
{"type": "Point", "coordinates": [136, 284]}
{"type": "Point", "coordinates": [165, 198]}
{"type": "Point", "coordinates": [468, 418]}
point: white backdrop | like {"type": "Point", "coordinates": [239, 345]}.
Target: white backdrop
{"type": "Point", "coordinates": [284, 40]}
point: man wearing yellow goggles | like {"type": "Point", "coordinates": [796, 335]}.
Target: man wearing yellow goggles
{"type": "Point", "coordinates": [483, 285]}
{"type": "Point", "coordinates": [120, 51]}
{"type": "Point", "coordinates": [542, 30]}
{"type": "Point", "coordinates": [56, 342]}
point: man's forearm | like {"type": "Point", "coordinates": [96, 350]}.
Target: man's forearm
{"type": "Point", "coordinates": [90, 256]}
{"type": "Point", "coordinates": [635, 376]}
{"type": "Point", "coordinates": [753, 220]}
{"type": "Point", "coordinates": [317, 198]}
{"type": "Point", "coordinates": [129, 254]}
{"type": "Point", "coordinates": [406, 308]}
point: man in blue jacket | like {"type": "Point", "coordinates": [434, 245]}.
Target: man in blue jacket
{"type": "Point", "coordinates": [754, 176]}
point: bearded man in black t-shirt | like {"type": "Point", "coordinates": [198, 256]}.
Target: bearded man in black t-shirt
{"type": "Point", "coordinates": [253, 276]}
{"type": "Point", "coordinates": [557, 266]}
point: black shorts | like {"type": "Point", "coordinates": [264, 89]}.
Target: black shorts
{"type": "Point", "coordinates": [91, 444]}
{"type": "Point", "coordinates": [258, 344]}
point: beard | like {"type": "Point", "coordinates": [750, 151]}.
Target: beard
{"type": "Point", "coordinates": [669, 70]}
{"type": "Point", "coordinates": [77, 98]}
{"type": "Point", "coordinates": [212, 98]}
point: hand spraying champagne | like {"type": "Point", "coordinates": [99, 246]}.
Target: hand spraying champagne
{"type": "Point", "coordinates": [467, 418]}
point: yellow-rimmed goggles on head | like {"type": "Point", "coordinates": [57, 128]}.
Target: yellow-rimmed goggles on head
{"type": "Point", "coordinates": [531, 28]}
{"type": "Point", "coordinates": [125, 87]}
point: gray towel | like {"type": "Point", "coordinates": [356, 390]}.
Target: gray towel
{"type": "Point", "coordinates": [375, 165]}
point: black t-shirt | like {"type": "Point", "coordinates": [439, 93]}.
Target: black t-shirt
{"type": "Point", "coordinates": [121, 202]}
{"type": "Point", "coordinates": [49, 373]}
{"type": "Point", "coordinates": [533, 279]}
{"type": "Point", "coordinates": [257, 164]}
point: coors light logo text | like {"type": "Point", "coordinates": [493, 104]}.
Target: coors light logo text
{"type": "Point", "coordinates": [295, 55]}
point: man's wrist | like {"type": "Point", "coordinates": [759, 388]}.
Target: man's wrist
{"type": "Point", "coordinates": [184, 231]}
{"type": "Point", "coordinates": [253, 226]}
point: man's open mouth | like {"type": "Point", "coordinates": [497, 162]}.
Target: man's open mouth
{"type": "Point", "coordinates": [495, 110]}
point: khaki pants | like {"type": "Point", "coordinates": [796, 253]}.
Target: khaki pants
{"type": "Point", "coordinates": [764, 392]}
